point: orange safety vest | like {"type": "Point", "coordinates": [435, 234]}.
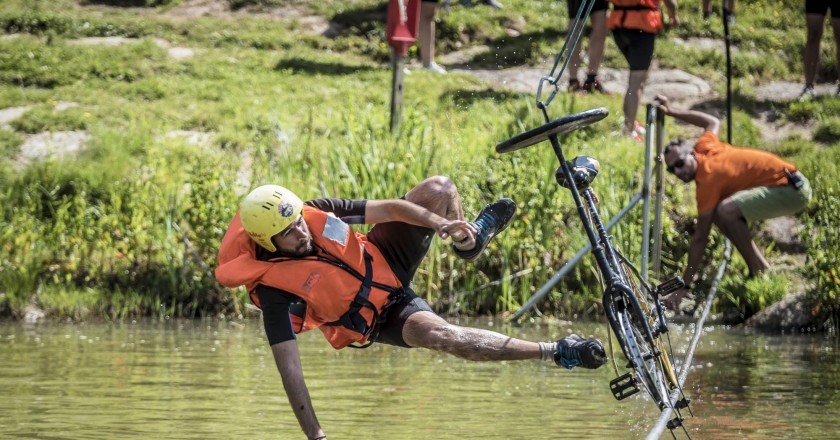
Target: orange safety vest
{"type": "Point", "coordinates": [643, 15]}
{"type": "Point", "coordinates": [346, 285]}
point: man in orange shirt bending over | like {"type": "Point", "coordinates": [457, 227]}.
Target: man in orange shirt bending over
{"type": "Point", "coordinates": [734, 186]}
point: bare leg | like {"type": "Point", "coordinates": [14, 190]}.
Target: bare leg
{"type": "Point", "coordinates": [439, 195]}
{"type": "Point", "coordinates": [730, 220]}
{"type": "Point", "coordinates": [707, 8]}
{"type": "Point", "coordinates": [635, 87]}
{"type": "Point", "coordinates": [597, 40]}
{"type": "Point", "coordinates": [427, 330]}
{"type": "Point", "coordinates": [426, 29]}
{"type": "Point", "coordinates": [835, 25]}
{"type": "Point", "coordinates": [811, 54]}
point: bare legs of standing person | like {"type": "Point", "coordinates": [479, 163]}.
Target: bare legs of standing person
{"type": "Point", "coordinates": [729, 7]}
{"type": "Point", "coordinates": [597, 41]}
{"type": "Point", "coordinates": [426, 26]}
{"type": "Point", "coordinates": [635, 88]}
{"type": "Point", "coordinates": [815, 23]}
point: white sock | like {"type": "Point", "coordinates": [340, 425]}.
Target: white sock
{"type": "Point", "coordinates": [547, 350]}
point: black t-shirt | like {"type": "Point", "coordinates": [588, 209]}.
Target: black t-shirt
{"type": "Point", "coordinates": [277, 305]}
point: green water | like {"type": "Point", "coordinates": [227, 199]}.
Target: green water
{"type": "Point", "coordinates": [217, 380]}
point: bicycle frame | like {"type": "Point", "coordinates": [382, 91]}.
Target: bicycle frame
{"type": "Point", "coordinates": [615, 287]}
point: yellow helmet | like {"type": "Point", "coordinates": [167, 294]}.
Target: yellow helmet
{"type": "Point", "coordinates": [268, 210]}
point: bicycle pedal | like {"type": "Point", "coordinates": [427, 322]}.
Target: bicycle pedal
{"type": "Point", "coordinates": [670, 286]}
{"type": "Point", "coordinates": [623, 386]}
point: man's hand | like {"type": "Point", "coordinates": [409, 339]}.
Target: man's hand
{"type": "Point", "coordinates": [461, 232]}
{"type": "Point", "coordinates": [662, 103]}
{"type": "Point", "coordinates": [672, 301]}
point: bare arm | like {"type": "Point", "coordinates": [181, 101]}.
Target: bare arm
{"type": "Point", "coordinates": [287, 358]}
{"type": "Point", "coordinates": [699, 119]}
{"type": "Point", "coordinates": [695, 258]}
{"type": "Point", "coordinates": [396, 210]}
{"type": "Point", "coordinates": [698, 246]}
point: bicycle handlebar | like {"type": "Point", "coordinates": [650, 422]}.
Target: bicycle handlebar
{"type": "Point", "coordinates": [556, 127]}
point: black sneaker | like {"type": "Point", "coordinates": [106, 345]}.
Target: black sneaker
{"type": "Point", "coordinates": [574, 351]}
{"type": "Point", "coordinates": [594, 86]}
{"type": "Point", "coordinates": [494, 218]}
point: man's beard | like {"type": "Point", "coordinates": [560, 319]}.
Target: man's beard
{"type": "Point", "coordinates": [303, 250]}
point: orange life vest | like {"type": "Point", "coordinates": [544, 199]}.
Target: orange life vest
{"type": "Point", "coordinates": [332, 282]}
{"type": "Point", "coordinates": [643, 15]}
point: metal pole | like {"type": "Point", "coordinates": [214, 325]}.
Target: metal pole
{"type": "Point", "coordinates": [571, 263]}
{"type": "Point", "coordinates": [657, 208]}
{"type": "Point", "coordinates": [649, 139]}
{"type": "Point", "coordinates": [662, 422]}
{"type": "Point", "coordinates": [398, 69]}
{"type": "Point", "coordinates": [726, 39]}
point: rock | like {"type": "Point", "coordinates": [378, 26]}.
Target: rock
{"type": "Point", "coordinates": [53, 145]}
{"type": "Point", "coordinates": [7, 115]}
{"type": "Point", "coordinates": [176, 53]}
{"type": "Point", "coordinates": [791, 314]}
{"type": "Point", "coordinates": [32, 314]}
{"type": "Point", "coordinates": [785, 91]}
{"type": "Point", "coordinates": [676, 84]}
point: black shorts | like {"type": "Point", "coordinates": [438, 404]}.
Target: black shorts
{"type": "Point", "coordinates": [636, 46]}
{"type": "Point", "coordinates": [390, 332]}
{"type": "Point", "coordinates": [404, 247]}
{"type": "Point", "coordinates": [820, 7]}
{"type": "Point", "coordinates": [574, 5]}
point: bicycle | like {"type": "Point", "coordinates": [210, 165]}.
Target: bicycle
{"type": "Point", "coordinates": [633, 309]}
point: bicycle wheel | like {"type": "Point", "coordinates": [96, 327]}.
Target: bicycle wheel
{"type": "Point", "coordinates": [647, 302]}
{"type": "Point", "coordinates": [643, 357]}
{"type": "Point", "coordinates": [651, 362]}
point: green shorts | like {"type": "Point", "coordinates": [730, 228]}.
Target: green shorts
{"type": "Point", "coordinates": [766, 202]}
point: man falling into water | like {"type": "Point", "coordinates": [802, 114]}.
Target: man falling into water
{"type": "Point", "coordinates": [306, 269]}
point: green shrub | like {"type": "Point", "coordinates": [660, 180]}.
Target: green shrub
{"type": "Point", "coordinates": [48, 119]}
{"type": "Point", "coordinates": [823, 239]}
{"type": "Point", "coordinates": [828, 131]}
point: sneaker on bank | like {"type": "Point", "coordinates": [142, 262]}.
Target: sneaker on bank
{"type": "Point", "coordinates": [594, 86]}
{"type": "Point", "coordinates": [638, 132]}
{"type": "Point", "coordinates": [574, 351]}
{"type": "Point", "coordinates": [435, 67]}
{"type": "Point", "coordinates": [808, 93]}
{"type": "Point", "coordinates": [494, 218]}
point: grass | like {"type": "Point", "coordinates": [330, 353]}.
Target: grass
{"type": "Point", "coordinates": [93, 234]}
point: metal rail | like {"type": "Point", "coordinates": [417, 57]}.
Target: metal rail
{"type": "Point", "coordinates": [571, 263]}
{"type": "Point", "coordinates": [665, 416]}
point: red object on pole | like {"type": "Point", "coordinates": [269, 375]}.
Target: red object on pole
{"type": "Point", "coordinates": [402, 22]}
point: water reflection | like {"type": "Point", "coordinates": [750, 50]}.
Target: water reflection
{"type": "Point", "coordinates": [211, 379]}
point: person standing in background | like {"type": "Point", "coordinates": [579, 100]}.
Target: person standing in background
{"type": "Point", "coordinates": [634, 25]}
{"type": "Point", "coordinates": [728, 10]}
{"type": "Point", "coordinates": [597, 40]}
{"type": "Point", "coordinates": [426, 29]}
{"type": "Point", "coordinates": [815, 12]}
